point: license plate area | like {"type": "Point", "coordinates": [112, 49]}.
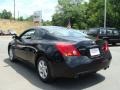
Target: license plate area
{"type": "Point", "coordinates": [94, 52]}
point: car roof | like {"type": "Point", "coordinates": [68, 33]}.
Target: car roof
{"type": "Point", "coordinates": [57, 27]}
{"type": "Point", "coordinates": [48, 27]}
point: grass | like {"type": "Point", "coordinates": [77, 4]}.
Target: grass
{"type": "Point", "coordinates": [18, 26]}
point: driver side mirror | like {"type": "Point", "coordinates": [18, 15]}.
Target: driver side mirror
{"type": "Point", "coordinates": [15, 36]}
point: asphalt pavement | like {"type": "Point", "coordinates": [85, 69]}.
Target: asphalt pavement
{"type": "Point", "coordinates": [19, 76]}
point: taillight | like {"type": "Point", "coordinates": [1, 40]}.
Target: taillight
{"type": "Point", "coordinates": [67, 49]}
{"type": "Point", "coordinates": [105, 47]}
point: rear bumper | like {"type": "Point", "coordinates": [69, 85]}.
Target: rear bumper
{"type": "Point", "coordinates": [64, 70]}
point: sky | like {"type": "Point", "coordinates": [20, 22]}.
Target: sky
{"type": "Point", "coordinates": [28, 7]}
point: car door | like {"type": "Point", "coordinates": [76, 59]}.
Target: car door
{"type": "Point", "coordinates": [31, 44]}
{"type": "Point", "coordinates": [23, 44]}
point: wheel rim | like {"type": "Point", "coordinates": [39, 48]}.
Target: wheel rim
{"type": "Point", "coordinates": [43, 70]}
{"type": "Point", "coordinates": [11, 54]}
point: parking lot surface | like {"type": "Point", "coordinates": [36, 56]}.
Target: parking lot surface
{"type": "Point", "coordinates": [19, 76]}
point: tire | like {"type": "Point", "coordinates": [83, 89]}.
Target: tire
{"type": "Point", "coordinates": [11, 54]}
{"type": "Point", "coordinates": [43, 70]}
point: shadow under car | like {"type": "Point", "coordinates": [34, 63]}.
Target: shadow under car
{"type": "Point", "coordinates": [30, 74]}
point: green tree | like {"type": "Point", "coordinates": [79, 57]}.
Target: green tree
{"type": "Point", "coordinates": [87, 15]}
{"type": "Point", "coordinates": [96, 13]}
{"type": "Point", "coordinates": [58, 19]}
{"type": "Point", "coordinates": [113, 18]}
{"type": "Point", "coordinates": [5, 14]}
{"type": "Point", "coordinates": [47, 23]}
{"type": "Point", "coordinates": [21, 18]}
{"type": "Point", "coordinates": [30, 18]}
{"type": "Point", "coordinates": [72, 10]}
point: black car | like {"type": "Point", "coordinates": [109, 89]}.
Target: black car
{"type": "Point", "coordinates": [59, 52]}
{"type": "Point", "coordinates": [111, 35]}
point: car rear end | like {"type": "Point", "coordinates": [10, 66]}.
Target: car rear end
{"type": "Point", "coordinates": [81, 58]}
{"type": "Point", "coordinates": [74, 53]}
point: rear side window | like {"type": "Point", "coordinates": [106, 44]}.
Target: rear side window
{"type": "Point", "coordinates": [39, 34]}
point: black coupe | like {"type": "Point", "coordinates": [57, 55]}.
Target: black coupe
{"type": "Point", "coordinates": [59, 52]}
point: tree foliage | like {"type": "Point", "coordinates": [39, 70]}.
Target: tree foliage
{"type": "Point", "coordinates": [114, 13]}
{"type": "Point", "coordinates": [5, 14]}
{"type": "Point", "coordinates": [84, 15]}
{"type": "Point", "coordinates": [46, 23]}
{"type": "Point", "coordinates": [30, 18]}
{"type": "Point", "coordinates": [72, 10]}
{"type": "Point", "coordinates": [21, 18]}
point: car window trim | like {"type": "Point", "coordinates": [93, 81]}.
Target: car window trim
{"type": "Point", "coordinates": [27, 31]}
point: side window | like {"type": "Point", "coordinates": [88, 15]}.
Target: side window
{"type": "Point", "coordinates": [109, 32]}
{"type": "Point", "coordinates": [28, 35]}
{"type": "Point", "coordinates": [115, 32]}
{"type": "Point", "coordinates": [102, 32]}
{"type": "Point", "coordinates": [39, 34]}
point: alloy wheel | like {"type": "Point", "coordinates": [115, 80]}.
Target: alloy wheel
{"type": "Point", "coordinates": [43, 69]}
{"type": "Point", "coordinates": [11, 54]}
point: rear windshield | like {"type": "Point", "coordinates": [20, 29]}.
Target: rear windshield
{"type": "Point", "coordinates": [64, 32]}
